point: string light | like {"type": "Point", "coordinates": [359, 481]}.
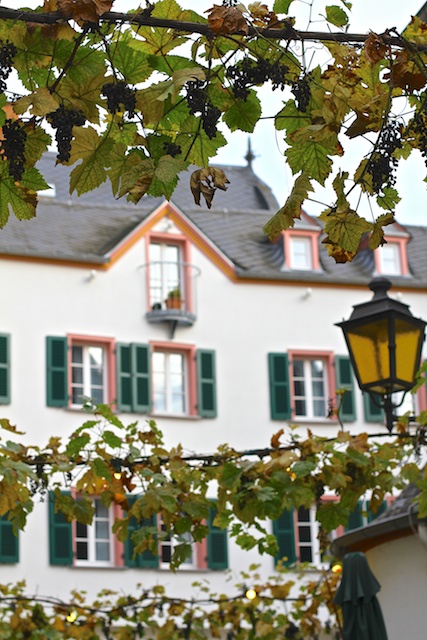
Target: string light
{"type": "Point", "coordinates": [251, 594]}
{"type": "Point", "coordinates": [72, 616]}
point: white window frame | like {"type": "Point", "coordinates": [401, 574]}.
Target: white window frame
{"type": "Point", "coordinates": [167, 388]}
{"type": "Point", "coordinates": [86, 368]}
{"type": "Point", "coordinates": [91, 540]}
{"type": "Point", "coordinates": [313, 527]}
{"type": "Point", "coordinates": [301, 260]}
{"type": "Point", "coordinates": [160, 280]}
{"type": "Point", "coordinates": [391, 264]}
{"type": "Point", "coordinates": [171, 542]}
{"type": "Point", "coordinates": [307, 379]}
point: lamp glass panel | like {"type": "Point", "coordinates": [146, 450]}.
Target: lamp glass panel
{"type": "Point", "coordinates": [408, 338]}
{"type": "Point", "coordinates": [369, 346]}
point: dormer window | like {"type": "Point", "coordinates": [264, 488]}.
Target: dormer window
{"type": "Point", "coordinates": [301, 245]}
{"type": "Point", "coordinates": [391, 259]}
{"type": "Point", "coordinates": [390, 262]}
{"type": "Point", "coordinates": [300, 252]}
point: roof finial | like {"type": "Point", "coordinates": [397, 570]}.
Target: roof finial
{"type": "Point", "coordinates": [250, 156]}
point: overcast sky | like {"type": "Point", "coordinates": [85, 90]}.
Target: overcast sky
{"type": "Point", "coordinates": [268, 146]}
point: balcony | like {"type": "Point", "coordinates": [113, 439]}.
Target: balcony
{"type": "Point", "coordinates": [171, 294]}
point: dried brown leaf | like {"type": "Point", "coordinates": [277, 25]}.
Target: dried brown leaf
{"type": "Point", "coordinates": [84, 10]}
{"type": "Point", "coordinates": [227, 20]}
{"type": "Point", "coordinates": [375, 48]}
{"type": "Point", "coordinates": [205, 182]}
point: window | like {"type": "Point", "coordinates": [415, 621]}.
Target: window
{"type": "Point", "coordinates": [362, 514]}
{"type": "Point", "coordinates": [79, 367]}
{"type": "Point", "coordinates": [166, 548]}
{"type": "Point", "coordinates": [211, 553]}
{"type": "Point", "coordinates": [300, 248]}
{"type": "Point", "coordinates": [4, 369]}
{"type": "Point", "coordinates": [297, 536]}
{"type": "Point", "coordinates": [169, 382]}
{"type": "Point", "coordinates": [309, 388]}
{"type": "Point", "coordinates": [81, 544]}
{"type": "Point", "coordinates": [165, 271]}
{"type": "Point", "coordinates": [303, 382]}
{"type": "Point", "coordinates": [88, 373]}
{"type": "Point", "coordinates": [390, 259]}
{"type": "Point", "coordinates": [93, 543]}
{"type": "Point", "coordinates": [170, 378]}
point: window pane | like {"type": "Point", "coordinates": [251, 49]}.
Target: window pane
{"type": "Point", "coordinates": [102, 530]}
{"type": "Point", "coordinates": [300, 253]}
{"type": "Point", "coordinates": [166, 553]}
{"type": "Point", "coordinates": [317, 368]}
{"type": "Point", "coordinates": [300, 408]}
{"type": "Point", "coordinates": [299, 388]}
{"type": "Point", "coordinates": [306, 554]}
{"type": "Point", "coordinates": [97, 396]}
{"type": "Point", "coordinates": [319, 408]}
{"type": "Point", "coordinates": [96, 376]}
{"type": "Point", "coordinates": [318, 389]}
{"type": "Point", "coordinates": [304, 534]}
{"type": "Point", "coordinates": [77, 354]}
{"type": "Point", "coordinates": [81, 530]}
{"type": "Point", "coordinates": [81, 549]}
{"type": "Point", "coordinates": [77, 395]}
{"type": "Point", "coordinates": [102, 550]}
{"type": "Point", "coordinates": [96, 355]}
{"type": "Point", "coordinates": [303, 515]}
{"type": "Point", "coordinates": [101, 510]}
{"type": "Point", "coordinates": [298, 368]}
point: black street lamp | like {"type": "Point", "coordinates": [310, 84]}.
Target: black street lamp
{"type": "Point", "coordinates": [384, 341]}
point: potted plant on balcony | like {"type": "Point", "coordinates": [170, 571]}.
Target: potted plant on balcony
{"type": "Point", "coordinates": [173, 301]}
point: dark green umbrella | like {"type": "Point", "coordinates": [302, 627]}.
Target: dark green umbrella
{"type": "Point", "coordinates": [356, 595]}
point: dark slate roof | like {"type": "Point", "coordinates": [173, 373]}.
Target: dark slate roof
{"type": "Point", "coordinates": [399, 516]}
{"type": "Point", "coordinates": [87, 228]}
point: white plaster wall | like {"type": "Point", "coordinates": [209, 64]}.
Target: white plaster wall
{"type": "Point", "coordinates": [401, 569]}
{"type": "Point", "coordinates": [242, 322]}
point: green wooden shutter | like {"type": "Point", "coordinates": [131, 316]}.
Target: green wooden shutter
{"type": "Point", "coordinates": [124, 377]}
{"type": "Point", "coordinates": [280, 399]}
{"type": "Point", "coordinates": [60, 535]}
{"type": "Point", "coordinates": [56, 371]}
{"type": "Point", "coordinates": [9, 543]}
{"type": "Point", "coordinates": [284, 530]}
{"type": "Point", "coordinates": [206, 383]}
{"type": "Point", "coordinates": [4, 369]}
{"type": "Point", "coordinates": [344, 376]}
{"type": "Point", "coordinates": [355, 519]}
{"type": "Point", "coordinates": [147, 559]}
{"type": "Point", "coordinates": [371, 411]}
{"type": "Point", "coordinates": [141, 378]}
{"type": "Point", "coordinates": [217, 544]}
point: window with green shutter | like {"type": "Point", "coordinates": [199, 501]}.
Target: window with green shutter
{"type": "Point", "coordinates": [284, 530]}
{"type": "Point", "coordinates": [345, 380]}
{"type": "Point", "coordinates": [146, 559]}
{"type": "Point", "coordinates": [372, 412]}
{"type": "Point", "coordinates": [133, 378]}
{"type": "Point", "coordinates": [206, 383]}
{"type": "Point", "coordinates": [280, 400]}
{"type": "Point", "coordinates": [56, 371]}
{"type": "Point", "coordinates": [4, 369]}
{"type": "Point", "coordinates": [355, 519]}
{"type": "Point", "coordinates": [60, 535]}
{"type": "Point", "coordinates": [217, 544]}
{"type": "Point", "coordinates": [9, 542]}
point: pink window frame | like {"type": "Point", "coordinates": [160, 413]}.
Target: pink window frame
{"type": "Point", "coordinates": [297, 233]}
{"type": "Point", "coordinates": [189, 352]}
{"type": "Point", "coordinates": [117, 546]}
{"type": "Point", "coordinates": [184, 244]}
{"type": "Point", "coordinates": [303, 354]}
{"type": "Point", "coordinates": [109, 345]}
{"type": "Point", "coordinates": [401, 243]}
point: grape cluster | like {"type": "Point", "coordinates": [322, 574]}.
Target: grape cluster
{"type": "Point", "coordinates": [249, 73]}
{"type": "Point", "coordinates": [13, 145]}
{"type": "Point", "coordinates": [172, 149]}
{"type": "Point", "coordinates": [419, 128]}
{"type": "Point", "coordinates": [302, 93]}
{"type": "Point", "coordinates": [7, 52]}
{"type": "Point", "coordinates": [63, 120]}
{"type": "Point", "coordinates": [119, 93]}
{"type": "Point", "coordinates": [382, 164]}
{"type": "Point", "coordinates": [198, 102]}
